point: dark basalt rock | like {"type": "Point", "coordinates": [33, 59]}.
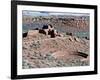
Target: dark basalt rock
{"type": "Point", "coordinates": [25, 34]}
{"type": "Point", "coordinates": [82, 54]}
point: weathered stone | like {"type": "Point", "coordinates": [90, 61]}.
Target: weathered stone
{"type": "Point", "coordinates": [77, 39]}
{"type": "Point", "coordinates": [33, 32]}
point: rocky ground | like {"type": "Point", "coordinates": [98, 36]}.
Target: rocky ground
{"type": "Point", "coordinates": [41, 51]}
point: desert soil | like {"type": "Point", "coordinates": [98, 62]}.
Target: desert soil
{"type": "Point", "coordinates": [41, 51]}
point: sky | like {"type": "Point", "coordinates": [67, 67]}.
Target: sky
{"type": "Point", "coordinates": [43, 13]}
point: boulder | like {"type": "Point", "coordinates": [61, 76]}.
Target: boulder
{"type": "Point", "coordinates": [77, 39]}
{"type": "Point", "coordinates": [71, 39]}
{"type": "Point", "coordinates": [25, 34]}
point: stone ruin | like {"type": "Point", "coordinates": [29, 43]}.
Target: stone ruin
{"type": "Point", "coordinates": [46, 30]}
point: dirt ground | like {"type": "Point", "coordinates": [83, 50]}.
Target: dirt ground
{"type": "Point", "coordinates": [41, 51]}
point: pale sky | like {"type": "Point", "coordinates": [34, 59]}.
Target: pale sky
{"type": "Point", "coordinates": [43, 13]}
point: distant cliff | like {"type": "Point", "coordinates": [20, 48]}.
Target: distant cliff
{"type": "Point", "coordinates": [80, 23]}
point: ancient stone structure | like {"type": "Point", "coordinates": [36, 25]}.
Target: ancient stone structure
{"type": "Point", "coordinates": [46, 29]}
